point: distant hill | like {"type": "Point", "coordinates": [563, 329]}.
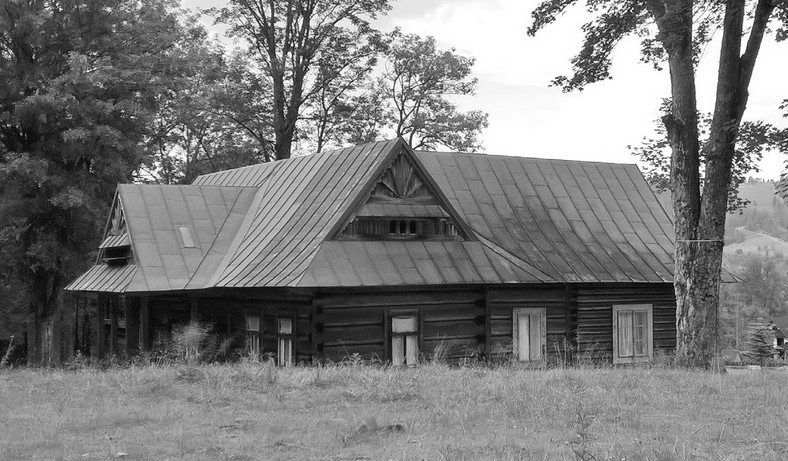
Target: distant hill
{"type": "Point", "coordinates": [759, 193]}
{"type": "Point", "coordinates": [761, 227]}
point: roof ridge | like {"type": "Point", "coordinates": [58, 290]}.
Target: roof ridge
{"type": "Point", "coordinates": [215, 238]}
{"type": "Point", "coordinates": [249, 217]}
{"type": "Point", "coordinates": [337, 151]}
{"type": "Point", "coordinates": [547, 159]}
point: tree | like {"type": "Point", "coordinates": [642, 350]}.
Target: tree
{"type": "Point", "coordinates": [759, 343]}
{"type": "Point", "coordinates": [212, 116]}
{"type": "Point", "coordinates": [81, 82]}
{"type": "Point", "coordinates": [303, 47]}
{"type": "Point", "coordinates": [419, 79]}
{"type": "Point", "coordinates": [674, 31]}
{"type": "Point", "coordinates": [754, 139]}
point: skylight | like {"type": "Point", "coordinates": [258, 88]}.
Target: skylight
{"type": "Point", "coordinates": [186, 236]}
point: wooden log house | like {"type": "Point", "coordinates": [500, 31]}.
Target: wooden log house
{"type": "Point", "coordinates": [388, 253]}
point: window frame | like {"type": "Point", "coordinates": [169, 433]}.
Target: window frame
{"type": "Point", "coordinates": [252, 333]}
{"type": "Point", "coordinates": [649, 309]}
{"type": "Point", "coordinates": [390, 335]}
{"type": "Point", "coordinates": [516, 313]}
{"type": "Point", "coordinates": [287, 339]}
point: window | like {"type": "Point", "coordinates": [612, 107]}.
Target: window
{"type": "Point", "coordinates": [529, 332]}
{"type": "Point", "coordinates": [284, 350]}
{"type": "Point", "coordinates": [384, 228]}
{"type": "Point", "coordinates": [632, 333]}
{"type": "Point", "coordinates": [404, 341]}
{"type": "Point", "coordinates": [253, 335]}
{"type": "Point", "coordinates": [186, 236]}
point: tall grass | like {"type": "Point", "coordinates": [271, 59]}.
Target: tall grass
{"type": "Point", "coordinates": [253, 410]}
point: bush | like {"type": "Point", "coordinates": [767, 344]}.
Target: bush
{"type": "Point", "coordinates": [191, 343]}
{"type": "Point", "coordinates": [759, 344]}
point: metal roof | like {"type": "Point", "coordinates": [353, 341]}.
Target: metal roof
{"type": "Point", "coordinates": [114, 241]}
{"type": "Point", "coordinates": [527, 221]}
{"type": "Point", "coordinates": [576, 221]}
{"type": "Point", "coordinates": [104, 278]}
{"type": "Point", "coordinates": [373, 263]}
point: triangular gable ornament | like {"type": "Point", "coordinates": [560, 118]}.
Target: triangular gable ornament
{"type": "Point", "coordinates": [402, 201]}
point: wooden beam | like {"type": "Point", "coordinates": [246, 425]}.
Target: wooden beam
{"type": "Point", "coordinates": [113, 325]}
{"type": "Point", "coordinates": [132, 312]}
{"type": "Point", "coordinates": [487, 324]}
{"type": "Point", "coordinates": [101, 335]}
{"type": "Point", "coordinates": [144, 323]}
{"type": "Point", "coordinates": [194, 312]}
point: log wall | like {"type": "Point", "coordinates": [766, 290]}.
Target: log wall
{"type": "Point", "coordinates": [594, 326]}
{"type": "Point", "coordinates": [502, 304]}
{"type": "Point", "coordinates": [451, 323]}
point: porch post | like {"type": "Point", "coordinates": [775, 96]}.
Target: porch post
{"type": "Point", "coordinates": [113, 325]}
{"type": "Point", "coordinates": [194, 314]}
{"type": "Point", "coordinates": [132, 325]}
{"type": "Point", "coordinates": [101, 334]}
{"type": "Point", "coordinates": [144, 323]}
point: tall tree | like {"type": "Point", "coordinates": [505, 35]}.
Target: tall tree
{"type": "Point", "coordinates": [674, 31]}
{"type": "Point", "coordinates": [294, 41]}
{"type": "Point", "coordinates": [212, 117]}
{"type": "Point", "coordinates": [81, 79]}
{"type": "Point", "coordinates": [420, 79]}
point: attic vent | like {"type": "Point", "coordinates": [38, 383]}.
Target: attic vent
{"type": "Point", "coordinates": [186, 236]}
{"type": "Point", "coordinates": [400, 229]}
{"type": "Point", "coordinates": [115, 250]}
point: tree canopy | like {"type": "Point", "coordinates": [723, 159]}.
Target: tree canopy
{"type": "Point", "coordinates": [83, 80]}
{"type": "Point", "coordinates": [304, 48]}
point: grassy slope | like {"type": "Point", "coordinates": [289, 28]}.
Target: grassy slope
{"type": "Point", "coordinates": [252, 412]}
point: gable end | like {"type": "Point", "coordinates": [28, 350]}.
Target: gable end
{"type": "Point", "coordinates": [401, 202]}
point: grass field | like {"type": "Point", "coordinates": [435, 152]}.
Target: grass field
{"type": "Point", "coordinates": [251, 411]}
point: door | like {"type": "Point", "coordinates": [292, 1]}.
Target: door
{"type": "Point", "coordinates": [529, 334]}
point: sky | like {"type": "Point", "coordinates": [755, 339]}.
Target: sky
{"type": "Point", "coordinates": [529, 118]}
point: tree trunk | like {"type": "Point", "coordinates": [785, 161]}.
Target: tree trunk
{"type": "Point", "coordinates": [47, 327]}
{"type": "Point", "coordinates": [694, 294]}
{"type": "Point", "coordinates": [698, 324]}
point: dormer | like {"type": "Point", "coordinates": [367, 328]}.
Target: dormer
{"type": "Point", "coordinates": [403, 204]}
{"type": "Point", "coordinates": [115, 249]}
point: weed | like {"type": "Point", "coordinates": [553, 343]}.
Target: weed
{"type": "Point", "coordinates": [582, 444]}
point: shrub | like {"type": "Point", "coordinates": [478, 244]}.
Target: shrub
{"type": "Point", "coordinates": [759, 344]}
{"type": "Point", "coordinates": [191, 343]}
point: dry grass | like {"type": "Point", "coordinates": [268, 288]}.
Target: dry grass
{"type": "Point", "coordinates": [251, 411]}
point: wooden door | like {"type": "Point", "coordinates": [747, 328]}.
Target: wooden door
{"type": "Point", "coordinates": [529, 337]}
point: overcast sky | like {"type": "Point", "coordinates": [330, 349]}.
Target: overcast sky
{"type": "Point", "coordinates": [530, 118]}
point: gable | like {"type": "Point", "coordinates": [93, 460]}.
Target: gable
{"type": "Point", "coordinates": [115, 248]}
{"type": "Point", "coordinates": [402, 203]}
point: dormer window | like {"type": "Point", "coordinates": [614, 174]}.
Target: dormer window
{"type": "Point", "coordinates": [116, 250]}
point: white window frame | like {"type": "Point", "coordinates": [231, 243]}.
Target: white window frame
{"type": "Point", "coordinates": [284, 342]}
{"type": "Point", "coordinates": [649, 309]}
{"type": "Point", "coordinates": [516, 314]}
{"type": "Point", "coordinates": [410, 358]}
{"type": "Point", "coordinates": [251, 335]}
